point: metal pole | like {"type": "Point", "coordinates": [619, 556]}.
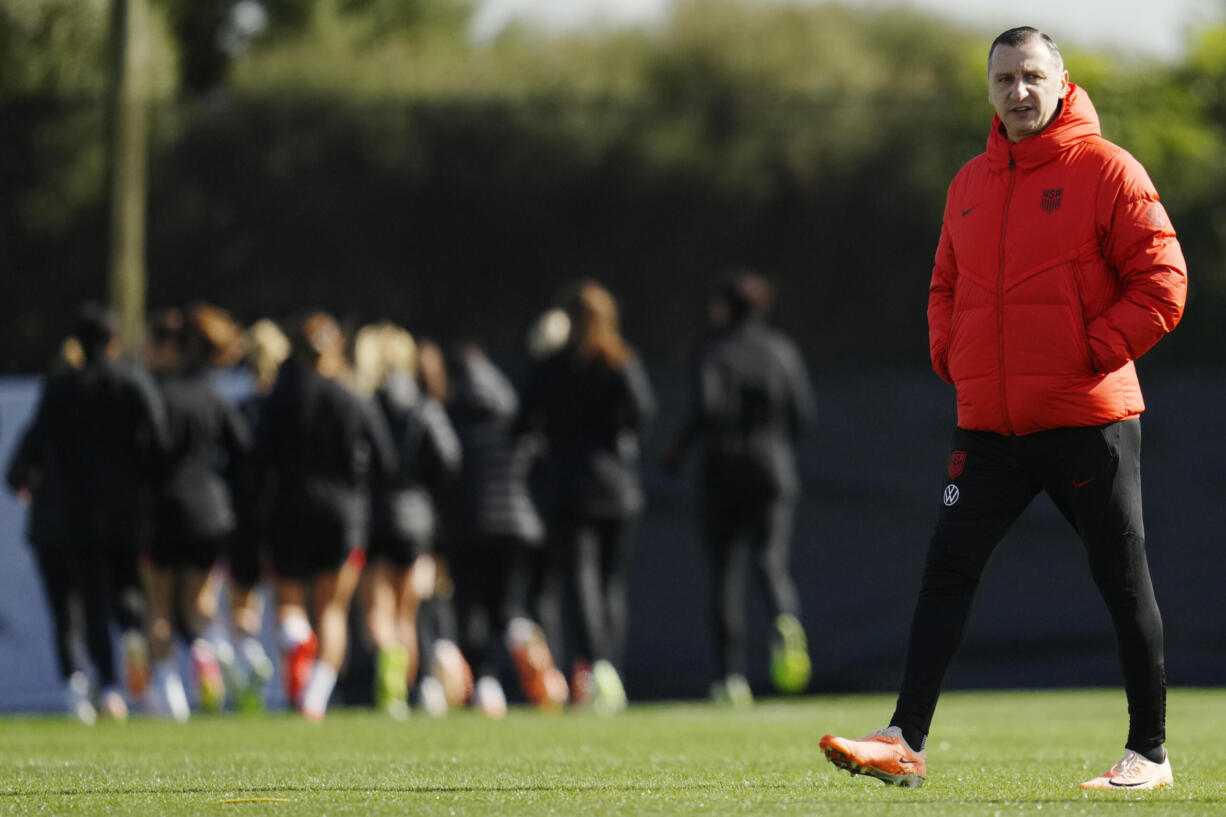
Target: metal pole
{"type": "Point", "coordinates": [129, 118]}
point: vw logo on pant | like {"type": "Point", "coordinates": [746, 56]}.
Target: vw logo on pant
{"type": "Point", "coordinates": [951, 494]}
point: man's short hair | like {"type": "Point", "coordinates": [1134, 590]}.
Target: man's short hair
{"type": "Point", "coordinates": [94, 328]}
{"type": "Point", "coordinates": [747, 294]}
{"type": "Point", "coordinates": [1021, 35]}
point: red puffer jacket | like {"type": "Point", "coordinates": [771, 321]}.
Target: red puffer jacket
{"type": "Point", "coordinates": [1057, 268]}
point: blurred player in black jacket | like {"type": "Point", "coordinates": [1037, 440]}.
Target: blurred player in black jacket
{"type": "Point", "coordinates": [404, 516]}
{"type": "Point", "coordinates": [591, 401]}
{"type": "Point", "coordinates": [193, 511]}
{"type": "Point", "coordinates": [95, 440]}
{"type": "Point", "coordinates": [752, 401]}
{"type": "Point", "coordinates": [317, 444]}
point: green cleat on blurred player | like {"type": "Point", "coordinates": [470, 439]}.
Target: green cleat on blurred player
{"type": "Point", "coordinates": [790, 665]}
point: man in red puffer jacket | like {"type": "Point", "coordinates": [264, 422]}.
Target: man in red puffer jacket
{"type": "Point", "coordinates": [1056, 269]}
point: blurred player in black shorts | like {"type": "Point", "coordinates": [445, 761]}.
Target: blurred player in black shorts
{"type": "Point", "coordinates": [193, 511]}
{"type": "Point", "coordinates": [316, 445]}
{"type": "Point", "coordinates": [404, 518]}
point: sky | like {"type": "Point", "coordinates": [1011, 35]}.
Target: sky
{"type": "Point", "coordinates": [1153, 28]}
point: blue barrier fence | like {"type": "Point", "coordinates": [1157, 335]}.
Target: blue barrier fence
{"type": "Point", "coordinates": [873, 480]}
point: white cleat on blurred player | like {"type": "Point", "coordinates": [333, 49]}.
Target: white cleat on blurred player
{"type": "Point", "coordinates": [489, 697]}
{"type": "Point", "coordinates": [77, 698]}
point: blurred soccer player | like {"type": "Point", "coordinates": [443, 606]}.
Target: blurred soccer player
{"type": "Point", "coordinates": [193, 510]}
{"type": "Point", "coordinates": [1056, 268]}
{"type": "Point", "coordinates": [317, 442]}
{"type": "Point", "coordinates": [404, 518]}
{"type": "Point", "coordinates": [40, 488]}
{"type": "Point", "coordinates": [591, 400]}
{"type": "Point", "coordinates": [100, 431]}
{"type": "Point", "coordinates": [751, 401]}
{"type": "Point", "coordinates": [266, 348]}
{"type": "Point", "coordinates": [495, 529]}
{"type": "Point", "coordinates": [449, 681]}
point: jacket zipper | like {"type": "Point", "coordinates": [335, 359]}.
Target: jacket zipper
{"type": "Point", "coordinates": [1000, 294]}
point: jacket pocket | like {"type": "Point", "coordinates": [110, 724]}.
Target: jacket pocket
{"type": "Point", "coordinates": [1080, 315]}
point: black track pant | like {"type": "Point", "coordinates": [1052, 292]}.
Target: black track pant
{"type": "Point", "coordinates": [597, 554]}
{"type": "Point", "coordinates": [743, 536]}
{"type": "Point", "coordinates": [107, 581]}
{"type": "Point", "coordinates": [491, 576]}
{"type": "Point", "coordinates": [1093, 475]}
{"type": "Point", "coordinates": [55, 567]}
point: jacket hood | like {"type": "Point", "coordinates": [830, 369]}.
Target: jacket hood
{"type": "Point", "coordinates": [1075, 122]}
{"type": "Point", "coordinates": [483, 390]}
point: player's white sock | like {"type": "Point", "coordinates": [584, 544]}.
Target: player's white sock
{"type": "Point", "coordinates": [172, 698]}
{"type": "Point", "coordinates": [318, 691]}
{"type": "Point", "coordinates": [253, 658]}
{"type": "Point", "coordinates": [295, 630]}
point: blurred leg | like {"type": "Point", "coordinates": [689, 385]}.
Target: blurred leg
{"type": "Point", "coordinates": [199, 599]}
{"type": "Point", "coordinates": [379, 602]}
{"type": "Point", "coordinates": [246, 609]}
{"type": "Point", "coordinates": [55, 570]}
{"type": "Point", "coordinates": [94, 574]}
{"type": "Point", "coordinates": [333, 593]}
{"type": "Point", "coordinates": [587, 581]}
{"type": "Point", "coordinates": [159, 589]}
{"type": "Point", "coordinates": [616, 549]}
{"type": "Point", "coordinates": [772, 549]}
{"type": "Point", "coordinates": [728, 556]}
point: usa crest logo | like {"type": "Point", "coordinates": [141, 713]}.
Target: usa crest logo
{"type": "Point", "coordinates": [1154, 217]}
{"type": "Point", "coordinates": [957, 463]}
{"type": "Point", "coordinates": [1051, 199]}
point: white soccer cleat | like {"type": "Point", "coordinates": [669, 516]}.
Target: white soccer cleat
{"type": "Point", "coordinates": [1135, 773]}
{"type": "Point", "coordinates": [733, 691]}
{"type": "Point", "coordinates": [490, 698]}
{"type": "Point", "coordinates": [77, 699]}
{"type": "Point", "coordinates": [170, 699]}
{"type": "Point", "coordinates": [432, 696]}
{"type": "Point", "coordinates": [112, 705]}
{"type": "Point", "coordinates": [452, 671]}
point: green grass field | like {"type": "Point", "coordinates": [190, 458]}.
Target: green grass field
{"type": "Point", "coordinates": [991, 754]}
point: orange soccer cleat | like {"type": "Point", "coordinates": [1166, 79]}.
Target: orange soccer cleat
{"type": "Point", "coordinates": [543, 684]}
{"type": "Point", "coordinates": [883, 755]}
{"type": "Point", "coordinates": [1135, 772]}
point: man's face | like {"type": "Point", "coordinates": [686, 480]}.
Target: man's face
{"type": "Point", "coordinates": [1025, 86]}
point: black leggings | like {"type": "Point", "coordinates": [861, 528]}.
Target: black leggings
{"type": "Point", "coordinates": [1093, 475]}
{"type": "Point", "coordinates": [491, 576]}
{"type": "Point", "coordinates": [742, 534]}
{"type": "Point", "coordinates": [597, 554]}
{"type": "Point", "coordinates": [106, 581]}
{"type": "Point", "coordinates": [59, 583]}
